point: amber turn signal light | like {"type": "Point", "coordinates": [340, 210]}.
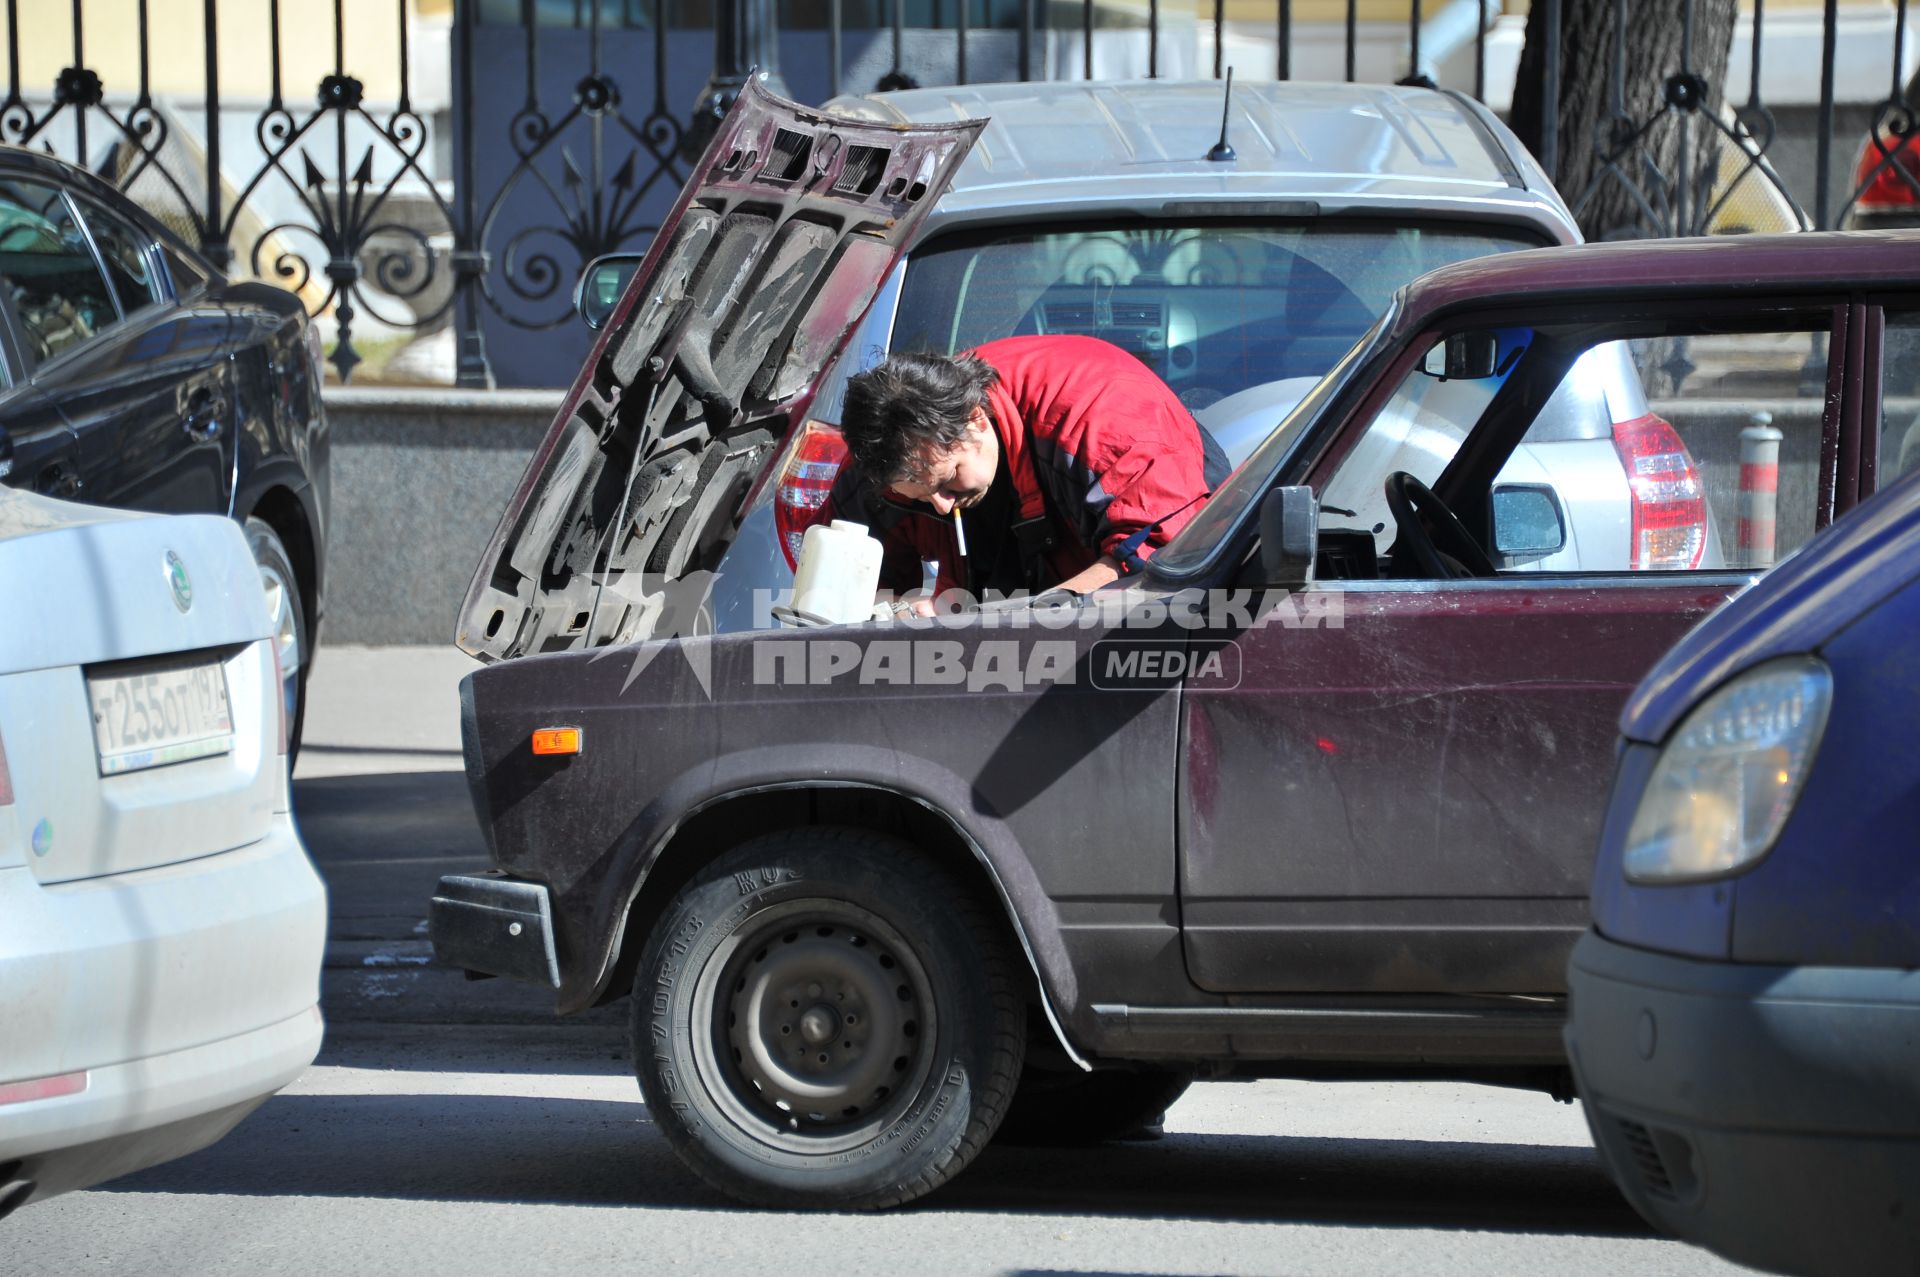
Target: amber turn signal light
{"type": "Point", "coordinates": [557, 740]}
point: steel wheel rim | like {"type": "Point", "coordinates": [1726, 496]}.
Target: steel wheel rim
{"type": "Point", "coordinates": [286, 634]}
{"type": "Point", "coordinates": [842, 984]}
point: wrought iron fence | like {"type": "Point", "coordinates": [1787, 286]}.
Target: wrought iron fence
{"type": "Point", "coordinates": [572, 122]}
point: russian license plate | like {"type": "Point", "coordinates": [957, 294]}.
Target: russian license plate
{"type": "Point", "coordinates": [158, 717]}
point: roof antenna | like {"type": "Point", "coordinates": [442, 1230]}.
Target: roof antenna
{"type": "Point", "coordinates": [1221, 152]}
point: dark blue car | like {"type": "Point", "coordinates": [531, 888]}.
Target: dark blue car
{"type": "Point", "coordinates": [1745, 1023]}
{"type": "Point", "coordinates": [134, 374]}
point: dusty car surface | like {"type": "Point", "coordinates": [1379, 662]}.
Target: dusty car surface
{"type": "Point", "coordinates": [1315, 796]}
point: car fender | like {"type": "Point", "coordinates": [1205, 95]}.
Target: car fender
{"type": "Point", "coordinates": [787, 768]}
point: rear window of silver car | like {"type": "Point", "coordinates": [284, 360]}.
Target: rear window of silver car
{"type": "Point", "coordinates": [1215, 308]}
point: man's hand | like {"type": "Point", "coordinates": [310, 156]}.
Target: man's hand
{"type": "Point", "coordinates": [916, 604]}
{"type": "Point", "coordinates": [1102, 571]}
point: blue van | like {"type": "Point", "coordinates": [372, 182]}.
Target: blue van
{"type": "Point", "coordinates": [1745, 1020]}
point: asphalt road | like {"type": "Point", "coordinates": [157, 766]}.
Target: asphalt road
{"type": "Point", "coordinates": [455, 1127]}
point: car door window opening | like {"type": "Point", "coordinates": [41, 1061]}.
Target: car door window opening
{"type": "Point", "coordinates": [129, 263]}
{"type": "Point", "coordinates": [51, 270]}
{"type": "Point", "coordinates": [1689, 482]}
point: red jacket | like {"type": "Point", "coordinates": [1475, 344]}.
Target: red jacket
{"type": "Point", "coordinates": [1092, 440]}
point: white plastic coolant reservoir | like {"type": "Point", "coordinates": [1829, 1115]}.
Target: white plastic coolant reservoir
{"type": "Point", "coordinates": [838, 573]}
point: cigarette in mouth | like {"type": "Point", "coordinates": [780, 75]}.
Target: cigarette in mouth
{"type": "Point", "coordinates": [960, 530]}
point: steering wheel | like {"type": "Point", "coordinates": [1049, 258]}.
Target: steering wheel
{"type": "Point", "coordinates": [1430, 534]}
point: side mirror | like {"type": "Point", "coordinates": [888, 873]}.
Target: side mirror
{"type": "Point", "coordinates": [1289, 536]}
{"type": "Point", "coordinates": [1527, 522]}
{"type": "Point", "coordinates": [1468, 356]}
{"type": "Point", "coordinates": [601, 284]}
{"type": "Point", "coordinates": [6, 453]}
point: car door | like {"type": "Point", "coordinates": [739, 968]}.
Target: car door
{"type": "Point", "coordinates": [51, 300]}
{"type": "Point", "coordinates": [1404, 797]}
{"type": "Point", "coordinates": [151, 399]}
{"type": "Point", "coordinates": [37, 448]}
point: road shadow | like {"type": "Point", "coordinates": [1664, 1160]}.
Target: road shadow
{"type": "Point", "coordinates": [470, 1148]}
{"type": "Point", "coordinates": [488, 1148]}
{"type": "Point", "coordinates": [403, 816]}
{"type": "Point", "coordinates": [594, 1045]}
{"type": "Point", "coordinates": [381, 843]}
{"type": "Point", "coordinates": [1398, 1183]}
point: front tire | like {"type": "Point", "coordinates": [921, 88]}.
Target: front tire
{"type": "Point", "coordinates": [823, 1018]}
{"type": "Point", "coordinates": [289, 615]}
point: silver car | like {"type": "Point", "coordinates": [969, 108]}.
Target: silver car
{"type": "Point", "coordinates": [1096, 209]}
{"type": "Point", "coordinates": [161, 927]}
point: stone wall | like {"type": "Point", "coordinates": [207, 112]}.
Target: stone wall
{"type": "Point", "coordinates": [420, 478]}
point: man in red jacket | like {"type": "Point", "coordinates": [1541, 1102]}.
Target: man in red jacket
{"type": "Point", "coordinates": [1064, 458]}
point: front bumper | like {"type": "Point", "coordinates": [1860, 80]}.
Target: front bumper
{"type": "Point", "coordinates": [491, 924]}
{"type": "Point", "coordinates": [1771, 1114]}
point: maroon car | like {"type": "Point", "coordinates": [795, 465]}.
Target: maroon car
{"type": "Point", "coordinates": [1316, 796]}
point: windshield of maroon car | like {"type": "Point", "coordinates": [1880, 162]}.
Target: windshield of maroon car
{"type": "Point", "coordinates": [1217, 308]}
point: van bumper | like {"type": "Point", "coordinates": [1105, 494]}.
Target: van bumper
{"type": "Point", "coordinates": [1771, 1114]}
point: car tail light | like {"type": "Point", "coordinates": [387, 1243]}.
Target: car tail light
{"type": "Point", "coordinates": [1668, 500]}
{"type": "Point", "coordinates": [6, 778]}
{"type": "Point", "coordinates": [1895, 186]}
{"type": "Point", "coordinates": [279, 693]}
{"type": "Point", "coordinates": [804, 484]}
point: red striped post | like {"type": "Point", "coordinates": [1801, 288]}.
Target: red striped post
{"type": "Point", "coordinates": [1759, 491]}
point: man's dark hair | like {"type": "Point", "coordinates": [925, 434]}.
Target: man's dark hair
{"type": "Point", "coordinates": [909, 403]}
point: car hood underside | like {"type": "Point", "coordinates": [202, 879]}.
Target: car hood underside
{"type": "Point", "coordinates": [773, 252]}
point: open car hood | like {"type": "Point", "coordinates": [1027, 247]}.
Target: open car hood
{"type": "Point", "coordinates": [770, 256]}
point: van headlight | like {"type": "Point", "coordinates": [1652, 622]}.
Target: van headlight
{"type": "Point", "coordinates": [1728, 778]}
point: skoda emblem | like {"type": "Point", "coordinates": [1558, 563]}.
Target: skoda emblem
{"type": "Point", "coordinates": [182, 584]}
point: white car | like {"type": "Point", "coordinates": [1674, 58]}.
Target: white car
{"type": "Point", "coordinates": [161, 927]}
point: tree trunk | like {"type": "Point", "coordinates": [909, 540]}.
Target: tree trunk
{"type": "Point", "coordinates": [1643, 192]}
